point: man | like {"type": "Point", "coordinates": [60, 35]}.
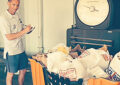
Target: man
{"type": "Point", "coordinates": [12, 32]}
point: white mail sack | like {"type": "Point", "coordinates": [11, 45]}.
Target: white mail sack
{"type": "Point", "coordinates": [97, 72]}
{"type": "Point", "coordinates": [114, 68]}
{"type": "Point", "coordinates": [115, 63]}
{"type": "Point", "coordinates": [94, 57]}
{"type": "Point", "coordinates": [73, 70]}
{"type": "Point", "coordinates": [55, 59]}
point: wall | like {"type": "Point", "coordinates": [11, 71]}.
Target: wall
{"type": "Point", "coordinates": [3, 7]}
{"type": "Point", "coordinates": [58, 17]}
{"type": "Point", "coordinates": [31, 16]}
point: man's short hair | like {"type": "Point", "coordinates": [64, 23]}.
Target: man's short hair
{"type": "Point", "coordinates": [9, 0]}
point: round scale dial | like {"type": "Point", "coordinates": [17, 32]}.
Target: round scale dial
{"type": "Point", "coordinates": [92, 12]}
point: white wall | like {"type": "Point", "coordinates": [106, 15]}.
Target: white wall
{"type": "Point", "coordinates": [32, 16]}
{"type": "Point", "coordinates": [57, 18]}
{"type": "Point", "coordinates": [3, 6]}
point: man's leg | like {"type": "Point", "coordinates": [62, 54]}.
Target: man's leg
{"type": "Point", "coordinates": [23, 64]}
{"type": "Point", "coordinates": [11, 66]}
{"type": "Point", "coordinates": [21, 76]}
{"type": "Point", "coordinates": [9, 78]}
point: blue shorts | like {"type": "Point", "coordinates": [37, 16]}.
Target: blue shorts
{"type": "Point", "coordinates": [16, 62]}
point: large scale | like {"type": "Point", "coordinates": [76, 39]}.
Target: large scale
{"type": "Point", "coordinates": [94, 14]}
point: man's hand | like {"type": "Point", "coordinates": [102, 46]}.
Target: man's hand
{"type": "Point", "coordinates": [27, 29]}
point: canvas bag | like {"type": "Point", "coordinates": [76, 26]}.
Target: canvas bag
{"type": "Point", "coordinates": [55, 59]}
{"type": "Point", "coordinates": [91, 58]}
{"type": "Point", "coordinates": [114, 68]}
{"type": "Point", "coordinates": [97, 72]}
{"type": "Point", "coordinates": [73, 70]}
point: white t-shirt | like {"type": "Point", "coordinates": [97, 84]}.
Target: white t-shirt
{"type": "Point", "coordinates": [11, 24]}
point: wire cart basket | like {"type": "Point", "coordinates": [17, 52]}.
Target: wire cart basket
{"type": "Point", "coordinates": [41, 76]}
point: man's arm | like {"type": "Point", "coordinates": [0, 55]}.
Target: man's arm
{"type": "Point", "coordinates": [19, 34]}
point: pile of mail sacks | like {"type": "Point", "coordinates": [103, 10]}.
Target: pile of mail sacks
{"type": "Point", "coordinates": [90, 64]}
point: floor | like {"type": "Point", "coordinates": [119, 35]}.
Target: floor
{"type": "Point", "coordinates": [28, 79]}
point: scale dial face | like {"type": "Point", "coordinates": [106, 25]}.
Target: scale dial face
{"type": "Point", "coordinates": [92, 12]}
